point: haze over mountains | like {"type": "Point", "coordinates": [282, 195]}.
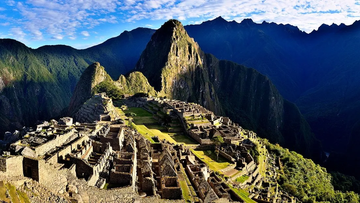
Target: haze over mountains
{"type": "Point", "coordinates": [316, 71]}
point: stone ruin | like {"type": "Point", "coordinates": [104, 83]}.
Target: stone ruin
{"type": "Point", "coordinates": [97, 108]}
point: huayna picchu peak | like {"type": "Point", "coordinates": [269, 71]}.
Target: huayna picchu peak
{"type": "Point", "coordinates": [148, 116]}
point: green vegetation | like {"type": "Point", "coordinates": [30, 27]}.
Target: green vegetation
{"type": "Point", "coordinates": [146, 125]}
{"type": "Point", "coordinates": [210, 158]}
{"type": "Point", "coordinates": [218, 140]}
{"type": "Point", "coordinates": [136, 83]}
{"type": "Point", "coordinates": [15, 196]}
{"type": "Point", "coordinates": [304, 179]}
{"type": "Point", "coordinates": [254, 152]}
{"type": "Point", "coordinates": [111, 90]}
{"type": "Point", "coordinates": [185, 191]}
{"type": "Point", "coordinates": [243, 194]}
{"type": "Point", "coordinates": [144, 131]}
{"type": "Point", "coordinates": [140, 112]}
{"type": "Point", "coordinates": [242, 178]}
{"type": "Point", "coordinates": [345, 183]}
{"type": "Point", "coordinates": [3, 192]}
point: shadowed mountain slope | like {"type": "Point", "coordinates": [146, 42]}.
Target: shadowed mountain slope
{"type": "Point", "coordinates": [37, 84]}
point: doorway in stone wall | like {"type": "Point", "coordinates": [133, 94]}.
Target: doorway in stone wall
{"type": "Point", "coordinates": [28, 172]}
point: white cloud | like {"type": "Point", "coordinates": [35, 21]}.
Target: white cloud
{"type": "Point", "coordinates": [56, 19]}
{"type": "Point", "coordinates": [85, 33]}
{"type": "Point", "coordinates": [18, 33]}
{"type": "Point", "coordinates": [63, 18]}
{"type": "Point", "coordinates": [10, 2]}
{"type": "Point", "coordinates": [306, 14]}
{"type": "Point", "coordinates": [58, 37]}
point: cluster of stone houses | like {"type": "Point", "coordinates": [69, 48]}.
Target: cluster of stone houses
{"type": "Point", "coordinates": [208, 185]}
{"type": "Point", "coordinates": [104, 151]}
{"type": "Point", "coordinates": [101, 152]}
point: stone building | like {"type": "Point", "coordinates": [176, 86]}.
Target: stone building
{"type": "Point", "coordinates": [124, 171]}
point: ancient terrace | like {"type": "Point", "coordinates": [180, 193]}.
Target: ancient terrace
{"type": "Point", "coordinates": [101, 148]}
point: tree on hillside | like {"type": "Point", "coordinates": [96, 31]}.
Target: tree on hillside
{"type": "Point", "coordinates": [218, 140]}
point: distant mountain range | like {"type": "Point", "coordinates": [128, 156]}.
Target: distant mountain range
{"type": "Point", "coordinates": [317, 71]}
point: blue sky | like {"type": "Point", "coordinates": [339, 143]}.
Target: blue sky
{"type": "Point", "coordinates": [83, 23]}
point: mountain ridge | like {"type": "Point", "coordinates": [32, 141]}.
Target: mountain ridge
{"type": "Point", "coordinates": [53, 72]}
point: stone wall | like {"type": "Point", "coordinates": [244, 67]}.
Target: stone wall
{"type": "Point", "coordinates": [116, 142]}
{"type": "Point", "coordinates": [121, 178]}
{"type": "Point", "coordinates": [3, 164]}
{"type": "Point", "coordinates": [52, 177]}
{"type": "Point", "coordinates": [12, 165]}
{"type": "Point", "coordinates": [148, 185]}
{"type": "Point", "coordinates": [227, 156]}
{"type": "Point", "coordinates": [172, 193]}
{"type": "Point", "coordinates": [58, 141]}
{"type": "Point", "coordinates": [59, 155]}
{"type": "Point", "coordinates": [83, 169]}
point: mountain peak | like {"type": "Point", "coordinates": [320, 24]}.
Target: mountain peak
{"type": "Point", "coordinates": [169, 52]}
{"type": "Point", "coordinates": [220, 20]}
{"type": "Point", "coordinates": [171, 24]}
{"type": "Point", "coordinates": [92, 76]}
{"type": "Point", "coordinates": [247, 21]}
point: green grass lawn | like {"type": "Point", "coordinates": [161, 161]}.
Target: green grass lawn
{"type": "Point", "coordinates": [148, 120]}
{"type": "Point", "coordinates": [242, 178]}
{"type": "Point", "coordinates": [146, 125]}
{"type": "Point", "coordinates": [140, 112]}
{"type": "Point", "coordinates": [185, 191]}
{"type": "Point", "coordinates": [181, 138]}
{"type": "Point", "coordinates": [243, 194]}
{"type": "Point", "coordinates": [209, 158]}
{"type": "Point", "coordinates": [144, 131]}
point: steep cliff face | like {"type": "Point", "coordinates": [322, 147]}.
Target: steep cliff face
{"type": "Point", "coordinates": [92, 76]}
{"type": "Point", "coordinates": [173, 64]}
{"type": "Point", "coordinates": [184, 72]}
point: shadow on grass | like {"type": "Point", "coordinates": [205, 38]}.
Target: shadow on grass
{"type": "Point", "coordinates": [180, 137]}
{"type": "Point", "coordinates": [212, 155]}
